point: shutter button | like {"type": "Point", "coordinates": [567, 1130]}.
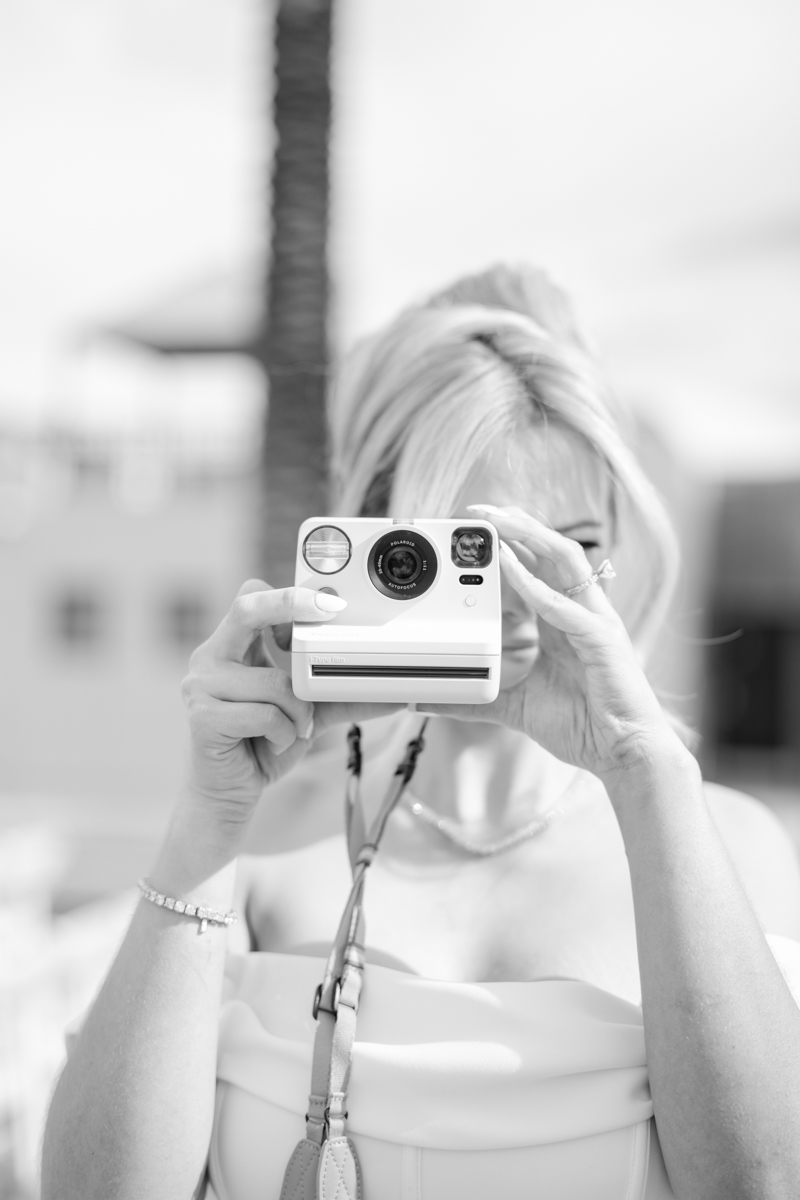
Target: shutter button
{"type": "Point", "coordinates": [470, 601]}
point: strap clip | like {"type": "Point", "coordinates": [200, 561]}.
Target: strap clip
{"type": "Point", "coordinates": [354, 745]}
{"type": "Point", "coordinates": [316, 1007]}
{"type": "Point", "coordinates": [336, 1109]}
{"type": "Point", "coordinates": [414, 748]}
{"type": "Point", "coordinates": [366, 854]}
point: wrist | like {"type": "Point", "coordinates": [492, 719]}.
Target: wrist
{"type": "Point", "coordinates": [197, 859]}
{"type": "Point", "coordinates": [661, 772]}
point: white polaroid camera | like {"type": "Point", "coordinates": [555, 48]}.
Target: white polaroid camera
{"type": "Point", "coordinates": [422, 622]}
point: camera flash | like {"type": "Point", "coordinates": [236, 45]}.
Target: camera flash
{"type": "Point", "coordinates": [327, 549]}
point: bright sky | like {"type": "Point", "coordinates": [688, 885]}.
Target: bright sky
{"type": "Point", "coordinates": [131, 161]}
{"type": "Point", "coordinates": [645, 153]}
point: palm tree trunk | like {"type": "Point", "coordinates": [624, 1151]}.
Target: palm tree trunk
{"type": "Point", "coordinates": [293, 347]}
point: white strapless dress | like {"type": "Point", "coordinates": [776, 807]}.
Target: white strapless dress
{"type": "Point", "coordinates": [458, 1090]}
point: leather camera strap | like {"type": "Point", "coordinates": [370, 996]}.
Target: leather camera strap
{"type": "Point", "coordinates": [337, 998]}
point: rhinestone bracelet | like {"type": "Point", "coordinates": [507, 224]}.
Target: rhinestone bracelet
{"type": "Point", "coordinates": [206, 916]}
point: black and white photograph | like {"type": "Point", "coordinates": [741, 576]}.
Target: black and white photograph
{"type": "Point", "coordinates": [399, 600]}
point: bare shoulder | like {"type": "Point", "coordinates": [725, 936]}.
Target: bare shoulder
{"type": "Point", "coordinates": [763, 855]}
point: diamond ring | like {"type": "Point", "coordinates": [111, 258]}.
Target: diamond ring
{"type": "Point", "coordinates": [604, 571]}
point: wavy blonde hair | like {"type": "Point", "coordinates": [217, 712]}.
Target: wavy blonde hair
{"type": "Point", "coordinates": [418, 404]}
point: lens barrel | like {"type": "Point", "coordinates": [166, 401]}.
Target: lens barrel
{"type": "Point", "coordinates": [402, 564]}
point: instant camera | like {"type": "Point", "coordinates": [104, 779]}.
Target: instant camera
{"type": "Point", "coordinates": [422, 622]}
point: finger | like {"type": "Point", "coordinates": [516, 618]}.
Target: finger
{"type": "Point", "coordinates": [246, 720]}
{"type": "Point", "coordinates": [274, 763]}
{"type": "Point", "coordinates": [259, 654]}
{"type": "Point", "coordinates": [554, 607]}
{"type": "Point", "coordinates": [252, 612]}
{"type": "Point", "coordinates": [283, 636]}
{"type": "Point", "coordinates": [254, 585]}
{"type": "Point", "coordinates": [262, 685]}
{"type": "Point", "coordinates": [567, 556]}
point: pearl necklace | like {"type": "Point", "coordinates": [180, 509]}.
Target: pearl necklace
{"type": "Point", "coordinates": [450, 829]}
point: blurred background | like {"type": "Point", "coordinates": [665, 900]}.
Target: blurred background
{"type": "Point", "coordinates": [646, 155]}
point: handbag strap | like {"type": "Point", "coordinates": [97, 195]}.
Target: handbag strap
{"type": "Point", "coordinates": [337, 997]}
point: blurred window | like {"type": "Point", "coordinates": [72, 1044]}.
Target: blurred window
{"type": "Point", "coordinates": [753, 716]}
{"type": "Point", "coordinates": [755, 682]}
{"type": "Point", "coordinates": [91, 467]}
{"type": "Point", "coordinates": [186, 621]}
{"type": "Point", "coordinates": [79, 618]}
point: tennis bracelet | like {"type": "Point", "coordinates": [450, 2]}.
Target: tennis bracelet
{"type": "Point", "coordinates": [206, 916]}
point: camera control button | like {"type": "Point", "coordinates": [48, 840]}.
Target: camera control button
{"type": "Point", "coordinates": [470, 601]}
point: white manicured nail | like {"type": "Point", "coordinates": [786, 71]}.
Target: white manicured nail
{"type": "Point", "coordinates": [509, 553]}
{"type": "Point", "coordinates": [329, 603]}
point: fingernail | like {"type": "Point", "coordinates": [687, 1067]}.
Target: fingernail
{"type": "Point", "coordinates": [309, 731]}
{"type": "Point", "coordinates": [509, 553]}
{"type": "Point", "coordinates": [485, 507]}
{"type": "Point", "coordinates": [278, 750]}
{"type": "Point", "coordinates": [329, 603]}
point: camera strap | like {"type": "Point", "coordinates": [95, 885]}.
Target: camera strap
{"type": "Point", "coordinates": [325, 1161]}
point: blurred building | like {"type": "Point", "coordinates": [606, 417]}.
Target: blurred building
{"type": "Point", "coordinates": [126, 526]}
{"type": "Point", "coordinates": [753, 708]}
{"type": "Point", "coordinates": [121, 546]}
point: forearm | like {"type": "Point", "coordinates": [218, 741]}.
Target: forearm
{"type": "Point", "coordinates": [132, 1113]}
{"type": "Point", "coordinates": [721, 1028]}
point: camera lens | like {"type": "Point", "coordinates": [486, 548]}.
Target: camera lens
{"type": "Point", "coordinates": [402, 565]}
{"type": "Point", "coordinates": [327, 549]}
{"type": "Point", "coordinates": [471, 547]}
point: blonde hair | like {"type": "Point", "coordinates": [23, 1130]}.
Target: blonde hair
{"type": "Point", "coordinates": [417, 405]}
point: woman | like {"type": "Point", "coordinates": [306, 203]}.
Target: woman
{"type": "Point", "coordinates": [559, 861]}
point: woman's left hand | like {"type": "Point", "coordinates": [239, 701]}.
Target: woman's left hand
{"type": "Point", "coordinates": [586, 699]}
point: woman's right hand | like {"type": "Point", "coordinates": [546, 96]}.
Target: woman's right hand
{"type": "Point", "coordinates": [247, 727]}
